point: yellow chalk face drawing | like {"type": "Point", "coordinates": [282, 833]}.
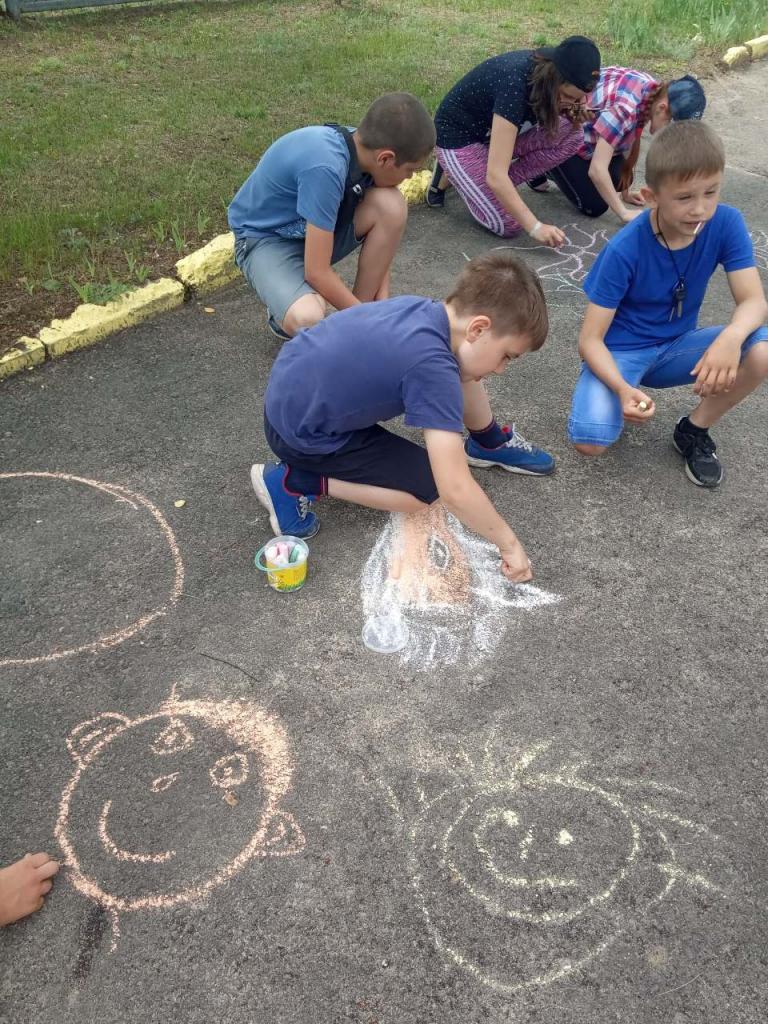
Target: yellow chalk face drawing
{"type": "Point", "coordinates": [164, 808]}
{"type": "Point", "coordinates": [527, 869]}
{"type": "Point", "coordinates": [435, 594]}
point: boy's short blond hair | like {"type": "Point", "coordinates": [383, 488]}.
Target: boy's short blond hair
{"type": "Point", "coordinates": [683, 150]}
{"type": "Point", "coordinates": [400, 122]}
{"type": "Point", "coordinates": [505, 290]}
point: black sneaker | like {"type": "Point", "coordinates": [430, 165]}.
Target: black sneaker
{"type": "Point", "coordinates": [702, 466]}
{"type": "Point", "coordinates": [435, 197]}
{"type": "Point", "coordinates": [540, 184]}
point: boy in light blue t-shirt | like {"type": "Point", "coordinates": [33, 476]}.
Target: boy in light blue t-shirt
{"type": "Point", "coordinates": [318, 193]}
{"type": "Point", "coordinates": [646, 289]}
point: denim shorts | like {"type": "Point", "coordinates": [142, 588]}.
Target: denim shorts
{"type": "Point", "coordinates": [596, 416]}
{"type": "Point", "coordinates": [274, 267]}
{"type": "Point", "coordinates": [373, 455]}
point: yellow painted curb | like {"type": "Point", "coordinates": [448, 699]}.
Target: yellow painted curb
{"type": "Point", "coordinates": [758, 47]}
{"type": "Point", "coordinates": [735, 56]}
{"type": "Point", "coordinates": [90, 323]}
{"type": "Point", "coordinates": [415, 188]}
{"type": "Point", "coordinates": [210, 267]}
{"type": "Point", "coordinates": [26, 353]}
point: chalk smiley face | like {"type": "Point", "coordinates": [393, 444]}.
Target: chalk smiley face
{"type": "Point", "coordinates": [164, 808]}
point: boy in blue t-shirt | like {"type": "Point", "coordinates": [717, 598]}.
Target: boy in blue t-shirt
{"type": "Point", "coordinates": [310, 202]}
{"type": "Point", "coordinates": [646, 289]}
{"type": "Point", "coordinates": [331, 386]}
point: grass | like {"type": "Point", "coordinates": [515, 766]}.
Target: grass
{"type": "Point", "coordinates": [126, 131]}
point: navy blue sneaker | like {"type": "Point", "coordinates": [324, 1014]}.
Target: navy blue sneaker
{"type": "Point", "coordinates": [276, 329]}
{"type": "Point", "coordinates": [288, 513]}
{"type": "Point", "coordinates": [516, 455]}
{"type": "Point", "coordinates": [435, 196]}
{"type": "Point", "coordinates": [702, 465]}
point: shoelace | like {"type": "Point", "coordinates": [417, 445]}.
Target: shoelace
{"type": "Point", "coordinates": [305, 504]}
{"type": "Point", "coordinates": [703, 444]}
{"type": "Point", "coordinates": [516, 440]}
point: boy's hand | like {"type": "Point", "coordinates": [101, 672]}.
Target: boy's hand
{"type": "Point", "coordinates": [636, 406]}
{"type": "Point", "coordinates": [716, 371]}
{"type": "Point", "coordinates": [515, 564]}
{"type": "Point", "coordinates": [633, 198]}
{"type": "Point", "coordinates": [548, 234]}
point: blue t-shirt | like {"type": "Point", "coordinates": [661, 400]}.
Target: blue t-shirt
{"type": "Point", "coordinates": [365, 364]}
{"type": "Point", "coordinates": [299, 179]}
{"type": "Point", "coordinates": [635, 275]}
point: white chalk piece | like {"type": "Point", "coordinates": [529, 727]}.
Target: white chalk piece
{"type": "Point", "coordinates": [386, 634]}
{"type": "Point", "coordinates": [643, 406]}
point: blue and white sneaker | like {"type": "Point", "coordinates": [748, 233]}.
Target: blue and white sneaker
{"type": "Point", "coordinates": [276, 329]}
{"type": "Point", "coordinates": [516, 455]}
{"type": "Point", "coordinates": [288, 513]}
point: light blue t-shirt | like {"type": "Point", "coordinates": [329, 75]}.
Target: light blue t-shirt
{"type": "Point", "coordinates": [362, 365]}
{"type": "Point", "coordinates": [636, 275]}
{"type": "Point", "coordinates": [299, 179]}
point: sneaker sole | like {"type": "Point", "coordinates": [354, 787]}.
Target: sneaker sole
{"type": "Point", "coordinates": [257, 482]}
{"type": "Point", "coordinates": [486, 464]}
{"type": "Point", "coordinates": [689, 474]}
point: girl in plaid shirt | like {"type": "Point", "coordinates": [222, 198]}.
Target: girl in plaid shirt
{"type": "Point", "coordinates": [622, 103]}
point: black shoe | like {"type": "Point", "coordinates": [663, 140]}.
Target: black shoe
{"type": "Point", "coordinates": [540, 184]}
{"type": "Point", "coordinates": [702, 466]}
{"type": "Point", "coordinates": [435, 196]}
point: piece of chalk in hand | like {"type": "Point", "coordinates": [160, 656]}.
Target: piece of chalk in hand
{"type": "Point", "coordinates": [642, 406]}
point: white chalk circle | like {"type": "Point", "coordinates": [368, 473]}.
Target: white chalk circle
{"type": "Point", "coordinates": [57, 576]}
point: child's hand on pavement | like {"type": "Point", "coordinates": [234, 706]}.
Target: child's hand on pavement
{"type": "Point", "coordinates": [636, 406]}
{"type": "Point", "coordinates": [548, 234]}
{"type": "Point", "coordinates": [716, 371]}
{"type": "Point", "coordinates": [515, 564]}
{"type": "Point", "coordinates": [633, 198]}
{"type": "Point", "coordinates": [629, 215]}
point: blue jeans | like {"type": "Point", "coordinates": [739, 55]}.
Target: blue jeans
{"type": "Point", "coordinates": [596, 416]}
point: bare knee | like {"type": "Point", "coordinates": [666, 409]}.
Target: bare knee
{"type": "Point", "coordinates": [591, 449]}
{"type": "Point", "coordinates": [305, 312]}
{"type": "Point", "coordinates": [385, 207]}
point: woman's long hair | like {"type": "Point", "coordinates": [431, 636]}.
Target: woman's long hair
{"type": "Point", "coordinates": [546, 82]}
{"type": "Point", "coordinates": [659, 92]}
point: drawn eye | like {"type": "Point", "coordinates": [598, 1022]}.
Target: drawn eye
{"type": "Point", "coordinates": [438, 553]}
{"type": "Point", "coordinates": [163, 782]}
{"type": "Point", "coordinates": [230, 771]}
{"type": "Point", "coordinates": [175, 737]}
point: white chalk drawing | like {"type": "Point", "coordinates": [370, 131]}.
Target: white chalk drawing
{"type": "Point", "coordinates": [527, 873]}
{"type": "Point", "coordinates": [439, 589]}
{"type": "Point", "coordinates": [165, 808]}
{"type": "Point", "coordinates": [760, 243]}
{"type": "Point", "coordinates": [562, 271]}
{"type": "Point", "coordinates": [142, 506]}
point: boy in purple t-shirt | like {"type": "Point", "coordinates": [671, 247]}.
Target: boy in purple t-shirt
{"type": "Point", "coordinates": [646, 290]}
{"type": "Point", "coordinates": [332, 385]}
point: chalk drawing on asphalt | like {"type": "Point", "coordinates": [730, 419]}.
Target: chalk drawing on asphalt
{"type": "Point", "coordinates": [527, 870]}
{"type": "Point", "coordinates": [163, 809]}
{"type": "Point", "coordinates": [562, 271]}
{"type": "Point", "coordinates": [154, 520]}
{"type": "Point", "coordinates": [760, 243]}
{"type": "Point", "coordinates": [436, 592]}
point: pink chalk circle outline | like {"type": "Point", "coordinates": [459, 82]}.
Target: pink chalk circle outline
{"type": "Point", "coordinates": [133, 499]}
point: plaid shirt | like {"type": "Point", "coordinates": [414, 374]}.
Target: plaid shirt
{"type": "Point", "coordinates": [616, 102]}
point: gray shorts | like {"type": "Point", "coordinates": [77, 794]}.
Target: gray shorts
{"type": "Point", "coordinates": [274, 267]}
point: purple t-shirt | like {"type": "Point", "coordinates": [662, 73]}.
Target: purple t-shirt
{"type": "Point", "coordinates": [635, 275]}
{"type": "Point", "coordinates": [360, 366]}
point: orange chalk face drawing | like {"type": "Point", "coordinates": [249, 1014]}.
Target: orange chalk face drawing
{"type": "Point", "coordinates": [435, 594]}
{"type": "Point", "coordinates": [528, 868]}
{"type": "Point", "coordinates": [165, 808]}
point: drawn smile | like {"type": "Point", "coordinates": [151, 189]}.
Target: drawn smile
{"type": "Point", "coordinates": [136, 858]}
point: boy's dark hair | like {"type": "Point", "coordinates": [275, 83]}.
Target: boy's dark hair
{"type": "Point", "coordinates": [400, 122]}
{"type": "Point", "coordinates": [683, 150]}
{"type": "Point", "coordinates": [505, 290]}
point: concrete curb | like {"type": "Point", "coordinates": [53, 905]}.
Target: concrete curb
{"type": "Point", "coordinates": [201, 272]}
{"type": "Point", "coordinates": [753, 49]}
